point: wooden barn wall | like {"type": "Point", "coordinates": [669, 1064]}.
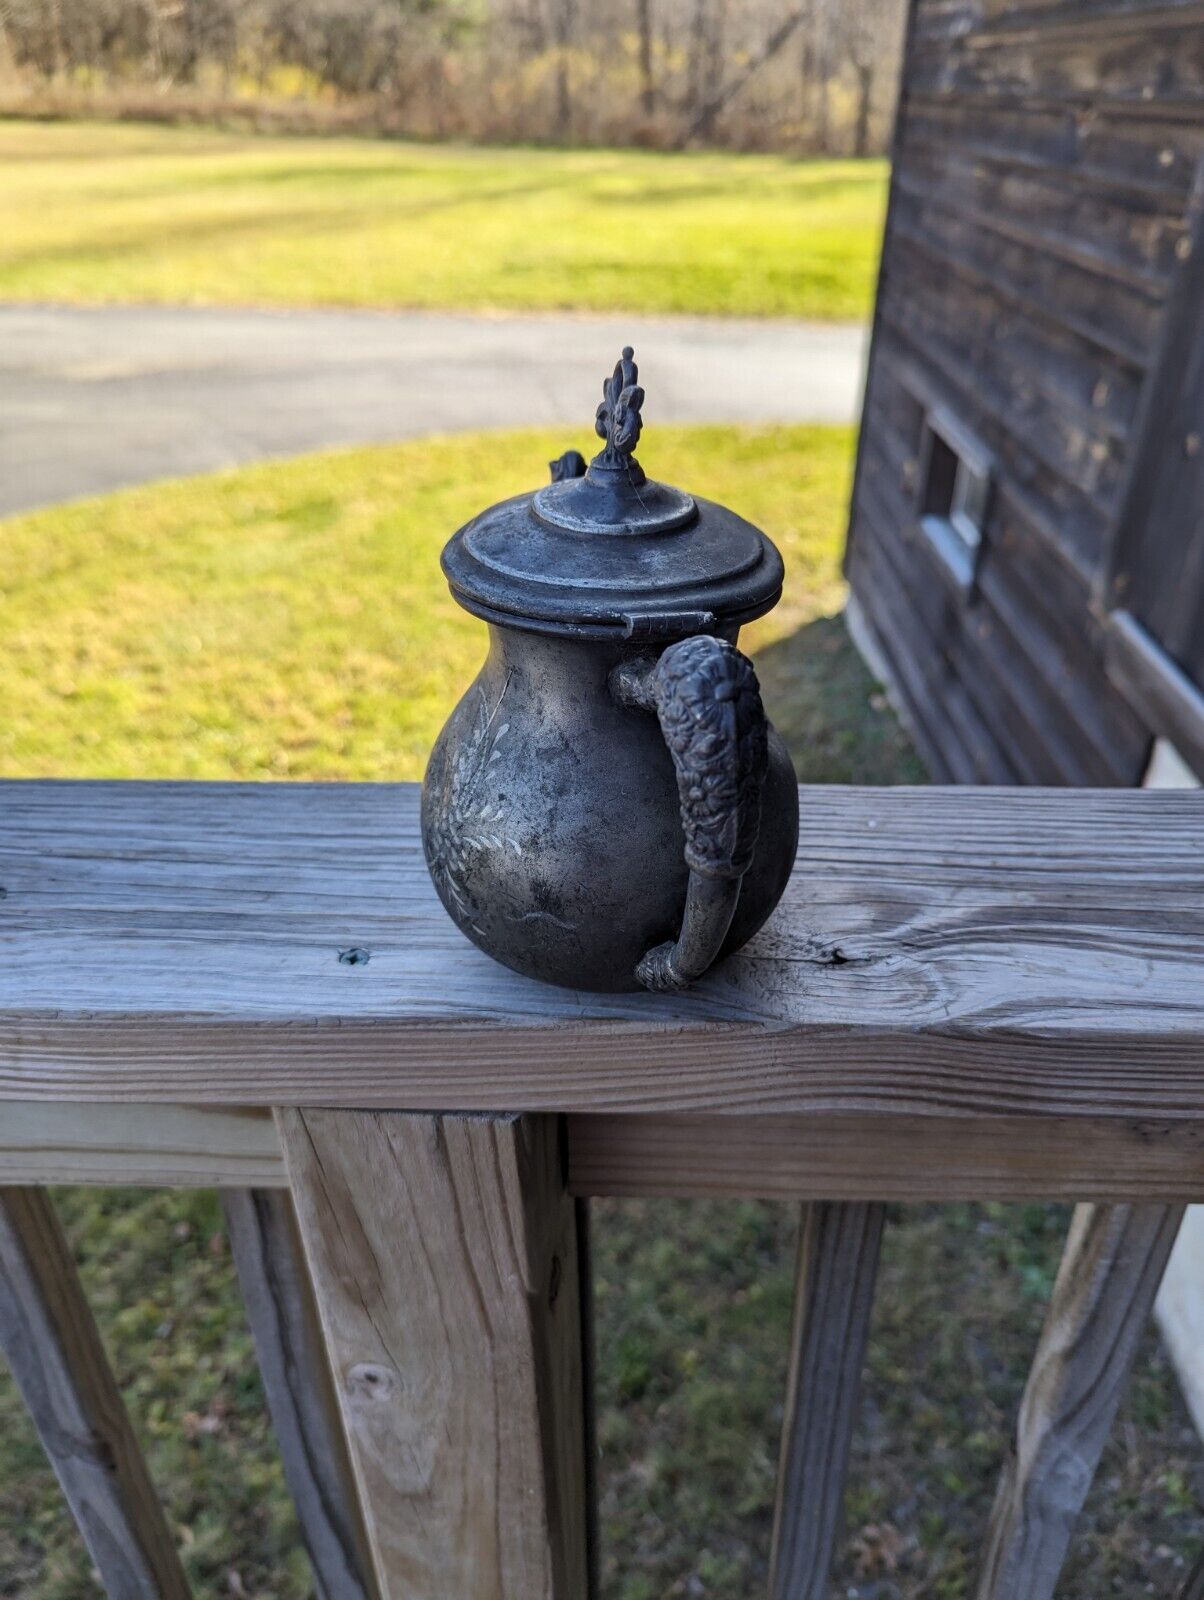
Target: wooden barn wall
{"type": "Point", "coordinates": [1044, 168]}
{"type": "Point", "coordinates": [1157, 570]}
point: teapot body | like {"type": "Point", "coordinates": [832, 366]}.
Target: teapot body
{"type": "Point", "coordinates": [552, 817]}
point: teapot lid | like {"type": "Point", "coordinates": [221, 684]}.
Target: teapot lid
{"type": "Point", "coordinates": [605, 552]}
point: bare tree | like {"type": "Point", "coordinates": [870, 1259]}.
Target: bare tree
{"type": "Point", "coordinates": [564, 29]}
{"type": "Point", "coordinates": [821, 57]}
{"type": "Point", "coordinates": [713, 71]}
{"type": "Point", "coordinates": [864, 48]}
{"type": "Point", "coordinates": [706, 114]}
{"type": "Point", "coordinates": [643, 14]}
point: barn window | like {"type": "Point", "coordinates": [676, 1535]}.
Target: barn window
{"type": "Point", "coordinates": [955, 493]}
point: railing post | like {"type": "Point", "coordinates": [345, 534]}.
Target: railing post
{"type": "Point", "coordinates": [1193, 1589]}
{"type": "Point", "coordinates": [276, 1294]}
{"type": "Point", "coordinates": [834, 1296]}
{"type": "Point", "coordinates": [1111, 1268]}
{"type": "Point", "coordinates": [50, 1339]}
{"type": "Point", "coordinates": [443, 1255]}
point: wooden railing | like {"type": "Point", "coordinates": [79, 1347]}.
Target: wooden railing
{"type": "Point", "coordinates": [965, 994]}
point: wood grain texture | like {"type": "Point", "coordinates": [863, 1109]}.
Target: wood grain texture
{"type": "Point", "coordinates": [868, 1155]}
{"type": "Point", "coordinates": [938, 952]}
{"type": "Point", "coordinates": [48, 1142]}
{"type": "Point", "coordinates": [834, 1296]}
{"type": "Point", "coordinates": [1036, 271]}
{"type": "Point", "coordinates": [1155, 566]}
{"type": "Point", "coordinates": [274, 1282]}
{"type": "Point", "coordinates": [444, 1260]}
{"type": "Point", "coordinates": [1110, 1272]}
{"type": "Point", "coordinates": [589, 1368]}
{"type": "Point", "coordinates": [49, 1337]}
{"type": "Point", "coordinates": [884, 1156]}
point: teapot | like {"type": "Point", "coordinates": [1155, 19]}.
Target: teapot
{"type": "Point", "coordinates": [607, 807]}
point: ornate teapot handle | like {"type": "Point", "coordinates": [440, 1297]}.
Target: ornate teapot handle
{"type": "Point", "coordinates": [707, 698]}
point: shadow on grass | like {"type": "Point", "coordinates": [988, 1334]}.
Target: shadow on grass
{"type": "Point", "coordinates": [834, 717]}
{"type": "Point", "coordinates": [318, 218]}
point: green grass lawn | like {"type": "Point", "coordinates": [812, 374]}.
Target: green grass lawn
{"type": "Point", "coordinates": [289, 620]}
{"type": "Point", "coordinates": [100, 212]}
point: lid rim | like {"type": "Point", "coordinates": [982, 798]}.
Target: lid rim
{"type": "Point", "coordinates": [511, 567]}
{"type": "Point", "coordinates": [618, 631]}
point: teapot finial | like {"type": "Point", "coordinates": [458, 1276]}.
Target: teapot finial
{"type": "Point", "coordinates": [618, 418]}
{"type": "Point", "coordinates": [612, 494]}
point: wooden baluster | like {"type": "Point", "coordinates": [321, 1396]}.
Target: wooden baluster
{"type": "Point", "coordinates": [1110, 1272]}
{"type": "Point", "coordinates": [49, 1336]}
{"type": "Point", "coordinates": [589, 1362]}
{"type": "Point", "coordinates": [834, 1294]}
{"type": "Point", "coordinates": [1193, 1589]}
{"type": "Point", "coordinates": [274, 1282]}
{"type": "Point", "coordinates": [443, 1255]}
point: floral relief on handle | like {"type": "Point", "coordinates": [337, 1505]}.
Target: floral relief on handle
{"type": "Point", "coordinates": [708, 701]}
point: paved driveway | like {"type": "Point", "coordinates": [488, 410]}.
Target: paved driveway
{"type": "Point", "coordinates": [92, 399]}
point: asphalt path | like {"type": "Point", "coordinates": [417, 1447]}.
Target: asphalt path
{"type": "Point", "coordinates": [92, 399]}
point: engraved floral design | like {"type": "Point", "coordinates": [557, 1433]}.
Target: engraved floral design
{"type": "Point", "coordinates": [470, 822]}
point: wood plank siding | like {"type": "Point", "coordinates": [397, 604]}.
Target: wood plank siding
{"type": "Point", "coordinates": [1154, 580]}
{"type": "Point", "coordinates": [1041, 216]}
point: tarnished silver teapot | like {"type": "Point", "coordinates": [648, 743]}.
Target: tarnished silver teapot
{"type": "Point", "coordinates": [608, 805]}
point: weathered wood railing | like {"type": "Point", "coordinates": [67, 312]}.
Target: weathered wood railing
{"type": "Point", "coordinates": [966, 994]}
